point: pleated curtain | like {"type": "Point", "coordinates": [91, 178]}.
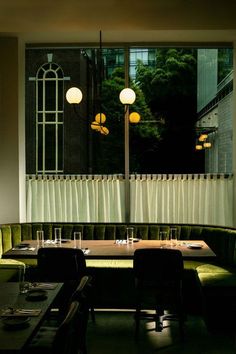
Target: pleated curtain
{"type": "Point", "coordinates": [198, 199]}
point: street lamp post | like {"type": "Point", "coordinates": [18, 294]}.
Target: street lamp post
{"type": "Point", "coordinates": [127, 97]}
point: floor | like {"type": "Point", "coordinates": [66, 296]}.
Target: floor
{"type": "Point", "coordinates": [113, 333]}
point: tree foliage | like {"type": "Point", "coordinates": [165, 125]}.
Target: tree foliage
{"type": "Point", "coordinates": [170, 91]}
{"type": "Point", "coordinates": [166, 100]}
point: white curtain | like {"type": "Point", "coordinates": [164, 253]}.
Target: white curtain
{"type": "Point", "coordinates": [198, 199]}
{"type": "Point", "coordinates": [75, 198]}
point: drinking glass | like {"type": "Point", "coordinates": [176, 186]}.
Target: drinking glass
{"type": "Point", "coordinates": [77, 239]}
{"type": "Point", "coordinates": [23, 285]}
{"type": "Point", "coordinates": [163, 238]}
{"type": "Point", "coordinates": [130, 234]}
{"type": "Point", "coordinates": [57, 235]}
{"type": "Point", "coordinates": [173, 237]}
{"type": "Point", "coordinates": [40, 238]}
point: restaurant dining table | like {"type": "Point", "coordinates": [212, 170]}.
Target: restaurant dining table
{"type": "Point", "coordinates": [20, 316]}
{"type": "Point", "coordinates": [114, 249]}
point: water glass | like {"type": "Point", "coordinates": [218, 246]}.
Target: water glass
{"type": "Point", "coordinates": [77, 239]}
{"type": "Point", "coordinates": [163, 238]}
{"type": "Point", "coordinates": [40, 238]}
{"type": "Point", "coordinates": [173, 237]}
{"type": "Point", "coordinates": [57, 235]}
{"type": "Point", "coordinates": [130, 234]}
{"type": "Point", "coordinates": [23, 285]}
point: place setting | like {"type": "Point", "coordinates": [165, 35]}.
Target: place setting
{"type": "Point", "coordinates": [17, 318]}
{"type": "Point", "coordinates": [195, 245]}
{"type": "Point", "coordinates": [129, 237]}
{"type": "Point", "coordinates": [23, 247]}
{"type": "Point", "coordinates": [33, 291]}
{"type": "Point", "coordinates": [36, 291]}
{"type": "Point", "coordinates": [19, 312]}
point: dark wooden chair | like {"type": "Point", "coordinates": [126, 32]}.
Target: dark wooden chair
{"type": "Point", "coordinates": [59, 264]}
{"type": "Point", "coordinates": [64, 339]}
{"type": "Point", "coordinates": [83, 294]}
{"type": "Point", "coordinates": [158, 282]}
{"type": "Point", "coordinates": [66, 265]}
{"type": "Point", "coordinates": [70, 336]}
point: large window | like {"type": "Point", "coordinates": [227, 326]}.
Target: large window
{"type": "Point", "coordinates": [180, 94]}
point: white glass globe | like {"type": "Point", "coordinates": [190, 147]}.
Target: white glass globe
{"type": "Point", "coordinates": [74, 95]}
{"type": "Point", "coordinates": [127, 96]}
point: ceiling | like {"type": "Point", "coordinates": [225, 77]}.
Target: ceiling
{"type": "Point", "coordinates": [119, 20]}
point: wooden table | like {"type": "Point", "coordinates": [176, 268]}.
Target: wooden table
{"type": "Point", "coordinates": [14, 341]}
{"type": "Point", "coordinates": [109, 249]}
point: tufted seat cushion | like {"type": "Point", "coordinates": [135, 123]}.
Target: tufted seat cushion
{"type": "Point", "coordinates": [9, 269]}
{"type": "Point", "coordinates": [218, 284]}
{"type": "Point", "coordinates": [216, 276]}
{"type": "Point", "coordinates": [218, 280]}
{"type": "Point", "coordinates": [110, 263]}
{"type": "Point", "coordinates": [211, 275]}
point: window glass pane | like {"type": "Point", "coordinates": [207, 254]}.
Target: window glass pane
{"type": "Point", "coordinates": [180, 88]}
{"type": "Point", "coordinates": [50, 95]}
{"type": "Point", "coordinates": [60, 147]}
{"type": "Point", "coordinates": [41, 73]}
{"type": "Point", "coordinates": [59, 72]}
{"type": "Point", "coordinates": [215, 116]}
{"type": "Point", "coordinates": [60, 95]}
{"type": "Point", "coordinates": [50, 74]}
{"type": "Point", "coordinates": [60, 117]}
{"type": "Point", "coordinates": [163, 141]}
{"type": "Point", "coordinates": [54, 66]}
{"type": "Point", "coordinates": [40, 147]}
{"type": "Point", "coordinates": [40, 117]}
{"type": "Point", "coordinates": [40, 95]}
{"type": "Point", "coordinates": [46, 67]}
{"type": "Point", "coordinates": [50, 144]}
{"type": "Point", "coordinates": [50, 117]}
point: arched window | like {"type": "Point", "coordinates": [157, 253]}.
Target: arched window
{"type": "Point", "coordinates": [49, 118]}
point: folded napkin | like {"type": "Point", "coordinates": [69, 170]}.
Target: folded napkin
{"type": "Point", "coordinates": [122, 242]}
{"type": "Point", "coordinates": [23, 248]}
{"type": "Point", "coordinates": [85, 250]}
{"type": "Point", "coordinates": [11, 312]}
{"type": "Point", "coordinates": [44, 286]}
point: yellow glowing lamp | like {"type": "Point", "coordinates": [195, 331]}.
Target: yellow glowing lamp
{"type": "Point", "coordinates": [100, 118]}
{"type": "Point", "coordinates": [198, 147]}
{"type": "Point", "coordinates": [207, 145]}
{"type": "Point", "coordinates": [96, 126]}
{"type": "Point", "coordinates": [74, 95]}
{"type": "Point", "coordinates": [134, 117]}
{"type": "Point", "coordinates": [104, 130]}
{"type": "Point", "coordinates": [127, 96]}
{"type": "Point", "coordinates": [202, 137]}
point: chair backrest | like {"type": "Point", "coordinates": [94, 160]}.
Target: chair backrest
{"type": "Point", "coordinates": [61, 264]}
{"type": "Point", "coordinates": [158, 265]}
{"type": "Point", "coordinates": [82, 292]}
{"type": "Point", "coordinates": [66, 340]}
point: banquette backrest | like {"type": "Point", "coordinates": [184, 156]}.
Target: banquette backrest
{"type": "Point", "coordinates": [221, 239]}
